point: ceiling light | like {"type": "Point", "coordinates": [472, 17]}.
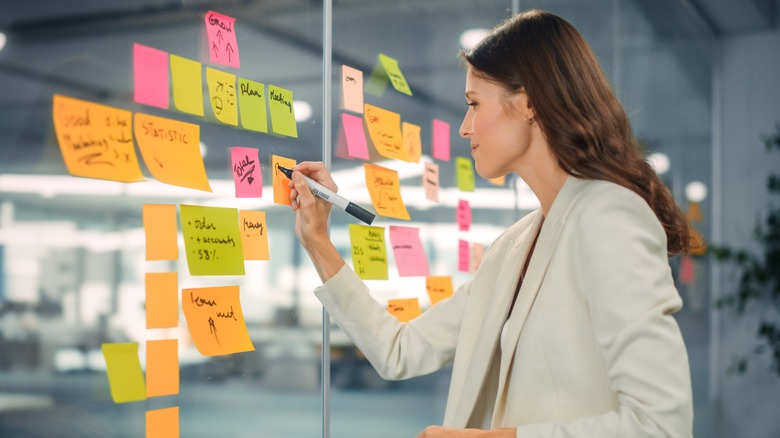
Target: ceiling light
{"type": "Point", "coordinates": [696, 191]}
{"type": "Point", "coordinates": [659, 162]}
{"type": "Point", "coordinates": [302, 110]}
{"type": "Point", "coordinates": [470, 38]}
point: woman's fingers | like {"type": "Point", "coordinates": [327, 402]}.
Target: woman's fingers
{"type": "Point", "coordinates": [318, 172]}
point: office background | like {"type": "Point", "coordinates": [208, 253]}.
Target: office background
{"type": "Point", "coordinates": [698, 79]}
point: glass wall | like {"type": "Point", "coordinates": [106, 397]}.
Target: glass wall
{"type": "Point", "coordinates": [73, 250]}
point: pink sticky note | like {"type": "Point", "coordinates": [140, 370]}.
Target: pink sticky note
{"type": "Point", "coordinates": [223, 47]}
{"type": "Point", "coordinates": [355, 136]}
{"type": "Point", "coordinates": [464, 215]}
{"type": "Point", "coordinates": [246, 172]}
{"type": "Point", "coordinates": [409, 253]}
{"type": "Point", "coordinates": [464, 258]}
{"type": "Point", "coordinates": [441, 140]}
{"type": "Point", "coordinates": [150, 76]}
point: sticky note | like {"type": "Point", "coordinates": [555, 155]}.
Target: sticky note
{"type": "Point", "coordinates": [377, 80]}
{"type": "Point", "coordinates": [477, 254]}
{"type": "Point", "coordinates": [247, 178]}
{"type": "Point", "coordinates": [223, 46]}
{"type": "Point", "coordinates": [408, 251]}
{"type": "Point", "coordinates": [162, 423]}
{"type": "Point", "coordinates": [215, 320]}
{"type": "Point", "coordinates": [464, 173]}
{"type": "Point", "coordinates": [352, 138]}
{"type": "Point", "coordinates": [162, 367]}
{"type": "Point", "coordinates": [500, 181]}
{"type": "Point", "coordinates": [441, 140]}
{"type": "Point", "coordinates": [369, 255]}
{"type": "Point", "coordinates": [464, 261]}
{"type": "Point", "coordinates": [187, 81]}
{"type": "Point", "coordinates": [405, 309]}
{"type": "Point", "coordinates": [222, 95]}
{"type": "Point", "coordinates": [124, 372]}
{"type": "Point", "coordinates": [412, 142]}
{"type": "Point", "coordinates": [171, 151]}
{"type": "Point", "coordinates": [96, 141]}
{"type": "Point", "coordinates": [161, 232]}
{"type": "Point", "coordinates": [438, 287]}
{"type": "Point", "coordinates": [431, 181]}
{"type": "Point", "coordinates": [150, 76]}
{"type": "Point", "coordinates": [251, 102]}
{"type": "Point", "coordinates": [162, 300]}
{"type": "Point", "coordinates": [212, 240]}
{"type": "Point", "coordinates": [384, 188]}
{"type": "Point", "coordinates": [280, 103]}
{"type": "Point", "coordinates": [395, 75]}
{"type": "Point", "coordinates": [351, 89]}
{"type": "Point", "coordinates": [281, 187]}
{"type": "Point", "coordinates": [464, 215]}
{"type": "Point", "coordinates": [254, 234]}
{"type": "Point", "coordinates": [384, 129]}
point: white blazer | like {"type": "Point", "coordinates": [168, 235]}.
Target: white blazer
{"type": "Point", "coordinates": [591, 348]}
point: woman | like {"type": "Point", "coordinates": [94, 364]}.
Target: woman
{"type": "Point", "coordinates": [566, 328]}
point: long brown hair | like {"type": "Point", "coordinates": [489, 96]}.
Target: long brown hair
{"type": "Point", "coordinates": [585, 126]}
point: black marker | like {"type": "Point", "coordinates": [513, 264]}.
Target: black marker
{"type": "Point", "coordinates": [325, 193]}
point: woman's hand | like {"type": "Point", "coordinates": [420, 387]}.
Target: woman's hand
{"type": "Point", "coordinates": [446, 432]}
{"type": "Point", "coordinates": [311, 218]}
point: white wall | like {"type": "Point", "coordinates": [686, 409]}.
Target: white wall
{"type": "Point", "coordinates": [750, 87]}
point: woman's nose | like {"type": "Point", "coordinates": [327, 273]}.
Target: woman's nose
{"type": "Point", "coordinates": [465, 127]}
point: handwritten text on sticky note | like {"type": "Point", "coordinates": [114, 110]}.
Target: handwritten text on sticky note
{"type": "Point", "coordinates": [251, 100]}
{"type": "Point", "coordinates": [405, 309]}
{"type": "Point", "coordinates": [221, 32]}
{"type": "Point", "coordinates": [281, 182]}
{"type": "Point", "coordinates": [247, 178]}
{"type": "Point", "coordinates": [431, 182]}
{"type": "Point", "coordinates": [254, 234]}
{"type": "Point", "coordinates": [384, 129]}
{"type": "Point", "coordinates": [408, 250]}
{"type": "Point", "coordinates": [369, 255]}
{"type": "Point", "coordinates": [464, 215]}
{"type": "Point", "coordinates": [412, 142]}
{"type": "Point", "coordinates": [464, 261]}
{"type": "Point", "coordinates": [394, 73]}
{"type": "Point", "coordinates": [384, 187]}
{"type": "Point", "coordinates": [351, 89]}
{"type": "Point", "coordinates": [222, 95]}
{"type": "Point", "coordinates": [215, 320]}
{"type": "Point", "coordinates": [438, 287]}
{"type": "Point", "coordinates": [212, 240]}
{"type": "Point", "coordinates": [280, 103]}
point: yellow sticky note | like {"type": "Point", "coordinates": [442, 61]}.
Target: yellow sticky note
{"type": "Point", "coordinates": [160, 230]}
{"type": "Point", "coordinates": [162, 367]}
{"type": "Point", "coordinates": [96, 141]}
{"type": "Point", "coordinates": [162, 300]}
{"type": "Point", "coordinates": [281, 187]}
{"type": "Point", "coordinates": [393, 71]}
{"type": "Point", "coordinates": [124, 372]}
{"type": "Point", "coordinates": [405, 309]}
{"type": "Point", "coordinates": [251, 101]}
{"type": "Point", "coordinates": [187, 79]}
{"type": "Point", "coordinates": [351, 89]}
{"type": "Point", "coordinates": [464, 174]}
{"type": "Point", "coordinates": [212, 240]}
{"type": "Point", "coordinates": [412, 142]}
{"type": "Point", "coordinates": [171, 151]}
{"type": "Point", "coordinates": [162, 423]}
{"type": "Point", "coordinates": [222, 95]}
{"type": "Point", "coordinates": [384, 188]}
{"type": "Point", "coordinates": [369, 253]}
{"type": "Point", "coordinates": [215, 320]}
{"type": "Point", "coordinates": [280, 103]}
{"type": "Point", "coordinates": [384, 129]}
{"type": "Point", "coordinates": [254, 234]}
{"type": "Point", "coordinates": [438, 288]}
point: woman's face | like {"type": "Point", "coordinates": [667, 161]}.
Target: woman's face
{"type": "Point", "coordinates": [495, 126]}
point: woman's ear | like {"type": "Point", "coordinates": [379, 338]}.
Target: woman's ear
{"type": "Point", "coordinates": [524, 107]}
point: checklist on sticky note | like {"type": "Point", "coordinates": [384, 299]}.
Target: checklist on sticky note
{"type": "Point", "coordinates": [384, 188]}
{"type": "Point", "coordinates": [369, 254]}
{"type": "Point", "coordinates": [150, 76]}
{"type": "Point", "coordinates": [161, 231]}
{"type": "Point", "coordinates": [408, 251]}
{"type": "Point", "coordinates": [123, 367]}
{"type": "Point", "coordinates": [405, 309]}
{"type": "Point", "coordinates": [222, 95]}
{"type": "Point", "coordinates": [187, 82]}
{"type": "Point", "coordinates": [212, 240]}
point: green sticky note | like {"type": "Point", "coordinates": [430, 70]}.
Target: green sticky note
{"type": "Point", "coordinates": [251, 103]}
{"type": "Point", "coordinates": [124, 372]}
{"type": "Point", "coordinates": [369, 254]}
{"type": "Point", "coordinates": [280, 101]}
{"type": "Point", "coordinates": [464, 172]}
{"type": "Point", "coordinates": [222, 95]}
{"type": "Point", "coordinates": [377, 81]}
{"type": "Point", "coordinates": [394, 74]}
{"type": "Point", "coordinates": [212, 240]}
{"type": "Point", "coordinates": [187, 85]}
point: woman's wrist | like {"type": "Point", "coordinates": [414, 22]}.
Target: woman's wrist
{"type": "Point", "coordinates": [326, 258]}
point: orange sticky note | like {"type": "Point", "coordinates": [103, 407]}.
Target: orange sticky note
{"type": "Point", "coordinates": [150, 76]}
{"type": "Point", "coordinates": [124, 372]}
{"type": "Point", "coordinates": [500, 181]}
{"type": "Point", "coordinates": [438, 287]}
{"type": "Point", "coordinates": [162, 367]}
{"type": "Point", "coordinates": [162, 300]}
{"type": "Point", "coordinates": [223, 45]}
{"type": "Point", "coordinates": [384, 188]}
{"type": "Point", "coordinates": [96, 141]}
{"type": "Point", "coordinates": [431, 182]}
{"type": "Point", "coordinates": [405, 309]}
{"type": "Point", "coordinates": [281, 189]}
{"type": "Point", "coordinates": [351, 89]}
{"type": "Point", "coordinates": [384, 129]}
{"type": "Point", "coordinates": [171, 151]}
{"type": "Point", "coordinates": [162, 423]}
{"type": "Point", "coordinates": [222, 95]}
{"type": "Point", "coordinates": [215, 320]}
{"type": "Point", "coordinates": [412, 142]}
{"type": "Point", "coordinates": [254, 235]}
{"type": "Point", "coordinates": [160, 230]}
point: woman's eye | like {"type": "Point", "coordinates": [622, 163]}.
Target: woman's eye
{"type": "Point", "coordinates": [472, 104]}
